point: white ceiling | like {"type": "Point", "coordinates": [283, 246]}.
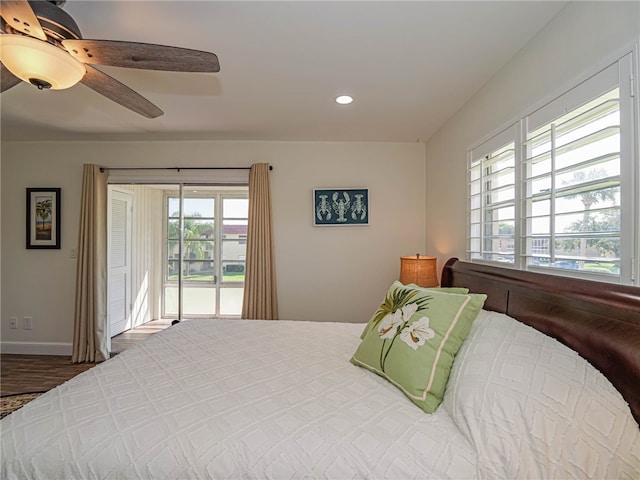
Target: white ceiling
{"type": "Point", "coordinates": [409, 66]}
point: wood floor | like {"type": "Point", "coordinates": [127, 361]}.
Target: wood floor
{"type": "Point", "coordinates": [39, 373]}
{"type": "Point", "coordinates": [127, 339]}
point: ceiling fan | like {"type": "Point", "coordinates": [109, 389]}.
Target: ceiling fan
{"type": "Point", "coordinates": [41, 44]}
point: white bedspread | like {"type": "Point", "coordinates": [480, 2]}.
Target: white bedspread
{"type": "Point", "coordinates": [279, 399]}
{"type": "Point", "coordinates": [233, 399]}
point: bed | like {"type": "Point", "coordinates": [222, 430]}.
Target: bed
{"type": "Point", "coordinates": [553, 395]}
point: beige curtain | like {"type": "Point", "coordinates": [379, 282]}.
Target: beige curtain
{"type": "Point", "coordinates": [260, 297]}
{"type": "Point", "coordinates": [90, 323]}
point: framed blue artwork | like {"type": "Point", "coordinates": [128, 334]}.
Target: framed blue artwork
{"type": "Point", "coordinates": [340, 206]}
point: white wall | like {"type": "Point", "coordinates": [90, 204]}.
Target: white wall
{"type": "Point", "coordinates": [324, 273]}
{"type": "Point", "coordinates": [582, 38]}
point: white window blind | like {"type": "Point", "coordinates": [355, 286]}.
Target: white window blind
{"type": "Point", "coordinates": [492, 196]}
{"type": "Point", "coordinates": [558, 190]}
{"type": "Point", "coordinates": [572, 185]}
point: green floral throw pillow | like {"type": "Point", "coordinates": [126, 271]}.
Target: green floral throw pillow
{"type": "Point", "coordinates": [412, 286]}
{"type": "Point", "coordinates": [414, 337]}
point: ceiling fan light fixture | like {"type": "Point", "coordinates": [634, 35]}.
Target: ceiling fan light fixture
{"type": "Point", "coordinates": [39, 62]}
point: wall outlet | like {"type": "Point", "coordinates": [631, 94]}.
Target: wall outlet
{"type": "Point", "coordinates": [27, 323]}
{"type": "Point", "coordinates": [13, 322]}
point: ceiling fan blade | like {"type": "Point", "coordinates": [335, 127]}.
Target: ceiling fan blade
{"type": "Point", "coordinates": [20, 16]}
{"type": "Point", "coordinates": [119, 93]}
{"type": "Point", "coordinates": [142, 55]}
{"type": "Point", "coordinates": [7, 79]}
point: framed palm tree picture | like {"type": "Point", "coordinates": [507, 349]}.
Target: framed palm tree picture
{"type": "Point", "coordinates": [43, 218]}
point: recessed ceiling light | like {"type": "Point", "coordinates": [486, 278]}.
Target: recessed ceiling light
{"type": "Point", "coordinates": [344, 99]}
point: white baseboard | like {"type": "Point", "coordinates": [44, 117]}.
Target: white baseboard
{"type": "Point", "coordinates": [36, 348]}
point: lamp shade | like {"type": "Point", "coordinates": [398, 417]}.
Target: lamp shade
{"type": "Point", "coordinates": [39, 62]}
{"type": "Point", "coordinates": [419, 270]}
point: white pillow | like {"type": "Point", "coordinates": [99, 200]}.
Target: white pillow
{"type": "Point", "coordinates": [534, 408]}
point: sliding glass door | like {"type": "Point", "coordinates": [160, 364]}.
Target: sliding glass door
{"type": "Point", "coordinates": [208, 224]}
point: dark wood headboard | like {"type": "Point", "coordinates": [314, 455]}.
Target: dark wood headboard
{"type": "Point", "coordinates": [600, 321]}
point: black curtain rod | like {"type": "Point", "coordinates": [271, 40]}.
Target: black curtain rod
{"type": "Point", "coordinates": [104, 169]}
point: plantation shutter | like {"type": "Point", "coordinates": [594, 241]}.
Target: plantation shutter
{"type": "Point", "coordinates": [572, 174]}
{"type": "Point", "coordinates": [492, 195]}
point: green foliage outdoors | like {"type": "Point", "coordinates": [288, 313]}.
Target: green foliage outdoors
{"type": "Point", "coordinates": [604, 221]}
{"type": "Point", "coordinates": [208, 277]}
{"type": "Point", "coordinates": [198, 242]}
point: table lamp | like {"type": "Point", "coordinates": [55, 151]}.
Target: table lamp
{"type": "Point", "coordinates": [419, 270]}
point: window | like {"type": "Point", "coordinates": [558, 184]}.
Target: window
{"type": "Point", "coordinates": [555, 191]}
{"type": "Point", "coordinates": [492, 213]}
{"type": "Point", "coordinates": [199, 239]}
{"type": "Point", "coordinates": [572, 199]}
{"type": "Point", "coordinates": [214, 237]}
